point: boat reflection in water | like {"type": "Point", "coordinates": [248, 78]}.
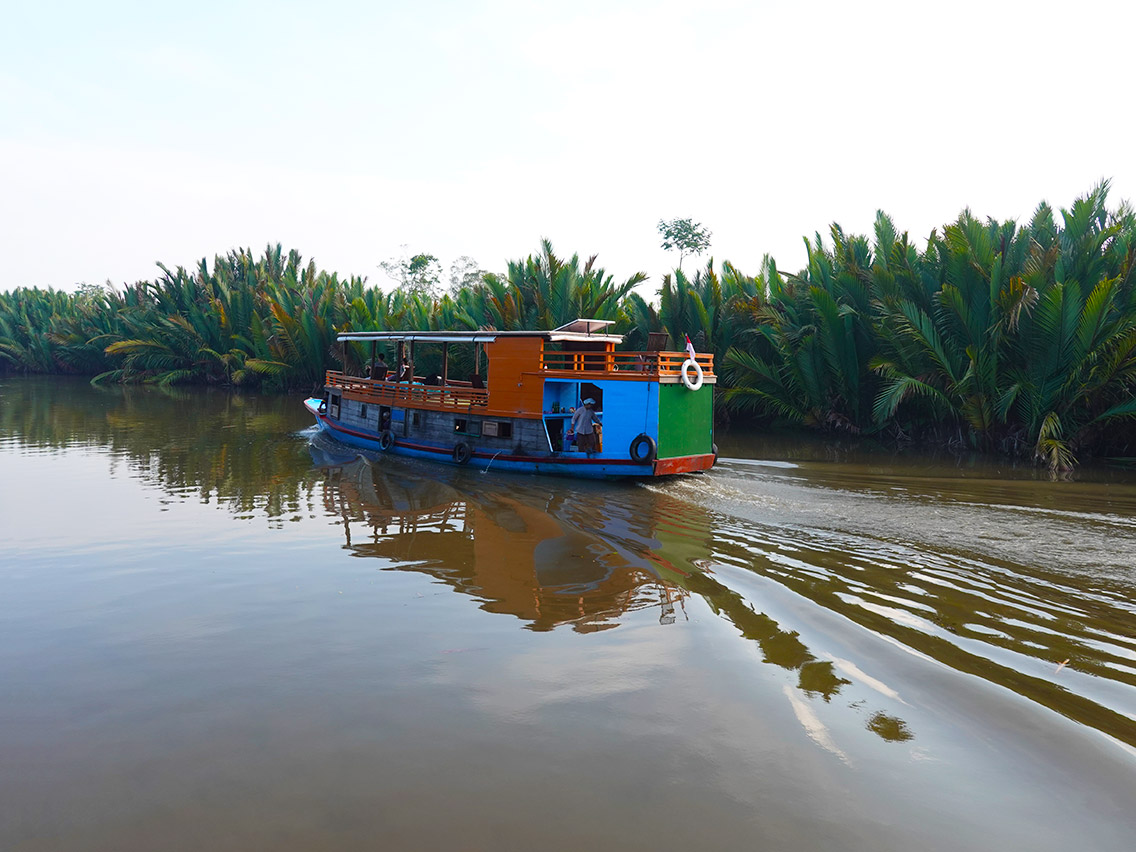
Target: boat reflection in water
{"type": "Point", "coordinates": [583, 557]}
{"type": "Point", "coordinates": [549, 556]}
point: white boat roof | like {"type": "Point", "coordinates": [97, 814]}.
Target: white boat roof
{"type": "Point", "coordinates": [576, 331]}
{"type": "Point", "coordinates": [584, 326]}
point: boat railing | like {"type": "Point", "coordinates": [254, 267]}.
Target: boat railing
{"type": "Point", "coordinates": [413, 394]}
{"type": "Point", "coordinates": [652, 365]}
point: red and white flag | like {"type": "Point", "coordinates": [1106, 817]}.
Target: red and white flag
{"type": "Point", "coordinates": [690, 348]}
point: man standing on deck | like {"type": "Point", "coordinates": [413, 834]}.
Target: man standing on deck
{"type": "Point", "coordinates": [582, 420]}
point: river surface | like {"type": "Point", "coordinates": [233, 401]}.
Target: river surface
{"type": "Point", "coordinates": [221, 632]}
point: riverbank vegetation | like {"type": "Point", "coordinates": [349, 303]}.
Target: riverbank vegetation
{"type": "Point", "coordinates": [998, 336]}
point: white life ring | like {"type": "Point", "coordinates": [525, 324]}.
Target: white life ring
{"type": "Point", "coordinates": [697, 383]}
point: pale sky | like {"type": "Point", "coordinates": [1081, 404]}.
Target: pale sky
{"type": "Point", "coordinates": [137, 132]}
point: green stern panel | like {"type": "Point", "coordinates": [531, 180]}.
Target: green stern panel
{"type": "Point", "coordinates": [686, 420]}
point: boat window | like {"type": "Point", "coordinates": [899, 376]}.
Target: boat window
{"type": "Point", "coordinates": [468, 427]}
{"type": "Point", "coordinates": [414, 419]}
{"type": "Point", "coordinates": [496, 429]}
{"type": "Point", "coordinates": [362, 409]}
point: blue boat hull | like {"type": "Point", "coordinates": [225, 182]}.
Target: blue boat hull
{"type": "Point", "coordinates": [595, 466]}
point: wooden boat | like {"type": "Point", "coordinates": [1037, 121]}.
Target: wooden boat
{"type": "Point", "coordinates": [656, 408]}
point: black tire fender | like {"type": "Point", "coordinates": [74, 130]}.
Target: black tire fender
{"type": "Point", "coordinates": [643, 449]}
{"type": "Point", "coordinates": [714, 450]}
{"type": "Point", "coordinates": [386, 440]}
{"type": "Point", "coordinates": [463, 452]}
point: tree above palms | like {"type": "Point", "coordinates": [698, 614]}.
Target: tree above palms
{"type": "Point", "coordinates": [685, 235]}
{"type": "Point", "coordinates": [419, 273]}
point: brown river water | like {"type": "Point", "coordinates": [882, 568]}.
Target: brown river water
{"type": "Point", "coordinates": [218, 632]}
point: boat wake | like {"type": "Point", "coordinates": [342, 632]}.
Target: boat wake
{"type": "Point", "coordinates": [1035, 599]}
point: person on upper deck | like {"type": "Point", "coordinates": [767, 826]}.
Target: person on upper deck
{"type": "Point", "coordinates": [380, 370]}
{"type": "Point", "coordinates": [581, 424]}
{"type": "Point", "coordinates": [405, 373]}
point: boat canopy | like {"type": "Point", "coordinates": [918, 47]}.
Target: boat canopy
{"type": "Point", "coordinates": [584, 326]}
{"type": "Point", "coordinates": [434, 336]}
{"type": "Point", "coordinates": [577, 330]}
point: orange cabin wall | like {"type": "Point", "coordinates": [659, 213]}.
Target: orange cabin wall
{"type": "Point", "coordinates": [511, 392]}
